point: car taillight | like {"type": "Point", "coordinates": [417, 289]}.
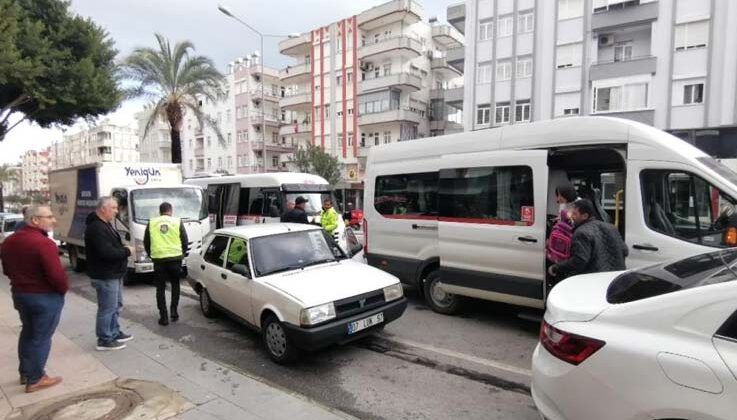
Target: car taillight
{"type": "Point", "coordinates": [568, 347]}
{"type": "Point", "coordinates": [365, 236]}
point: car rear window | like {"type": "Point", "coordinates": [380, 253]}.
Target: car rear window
{"type": "Point", "coordinates": [697, 271]}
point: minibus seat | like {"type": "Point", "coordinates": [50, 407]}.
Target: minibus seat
{"type": "Point", "coordinates": [556, 178]}
{"type": "Point", "coordinates": [595, 196]}
{"type": "Point", "coordinates": [658, 218]}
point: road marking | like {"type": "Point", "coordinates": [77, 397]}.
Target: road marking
{"type": "Point", "coordinates": [467, 357]}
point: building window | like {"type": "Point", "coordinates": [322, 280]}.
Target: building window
{"type": "Point", "coordinates": [486, 30]}
{"type": "Point", "coordinates": [524, 67]}
{"type": "Point", "coordinates": [568, 9]}
{"type": "Point", "coordinates": [503, 70]}
{"type": "Point", "coordinates": [502, 113]}
{"type": "Point", "coordinates": [230, 139]}
{"type": "Point", "coordinates": [693, 94]}
{"type": "Point", "coordinates": [209, 142]}
{"type": "Point", "coordinates": [621, 98]}
{"type": "Point", "coordinates": [387, 69]}
{"type": "Point", "coordinates": [525, 22]}
{"type": "Point", "coordinates": [623, 51]}
{"type": "Point", "coordinates": [570, 111]}
{"type": "Point", "coordinates": [484, 73]}
{"type": "Point", "coordinates": [692, 35]}
{"type": "Point", "coordinates": [220, 163]}
{"type": "Point", "coordinates": [522, 111]}
{"type": "Point", "coordinates": [387, 137]}
{"type": "Point", "coordinates": [230, 162]}
{"type": "Point", "coordinates": [504, 26]}
{"type": "Point", "coordinates": [350, 139]}
{"type": "Point", "coordinates": [483, 114]}
{"type": "Point", "coordinates": [568, 55]}
{"type": "Point", "coordinates": [209, 163]}
{"type": "Point", "coordinates": [275, 161]}
{"type": "Point", "coordinates": [191, 164]}
{"type": "Point", "coordinates": [337, 80]}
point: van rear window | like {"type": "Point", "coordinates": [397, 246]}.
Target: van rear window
{"type": "Point", "coordinates": [697, 271]}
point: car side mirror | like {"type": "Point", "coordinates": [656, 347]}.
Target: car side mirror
{"type": "Point", "coordinates": [242, 270]}
{"type": "Point", "coordinates": [356, 248]}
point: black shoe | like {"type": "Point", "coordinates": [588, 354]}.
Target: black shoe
{"type": "Point", "coordinates": [164, 320]}
{"type": "Point", "coordinates": [174, 316]}
{"type": "Point", "coordinates": [123, 337]}
{"type": "Point", "coordinates": [113, 345]}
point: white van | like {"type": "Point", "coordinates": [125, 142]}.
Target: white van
{"type": "Point", "coordinates": [236, 200]}
{"type": "Point", "coordinates": [466, 214]}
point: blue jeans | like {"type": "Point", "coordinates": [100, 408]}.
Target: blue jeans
{"type": "Point", "coordinates": [109, 302]}
{"type": "Point", "coordinates": [39, 315]}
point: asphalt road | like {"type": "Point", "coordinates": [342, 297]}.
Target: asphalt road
{"type": "Point", "coordinates": [422, 366]}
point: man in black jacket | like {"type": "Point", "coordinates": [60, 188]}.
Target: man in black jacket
{"type": "Point", "coordinates": [107, 263]}
{"type": "Point", "coordinates": [597, 246]}
{"type": "Point", "coordinates": [297, 214]}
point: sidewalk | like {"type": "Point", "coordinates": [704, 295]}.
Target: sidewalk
{"type": "Point", "coordinates": [208, 390]}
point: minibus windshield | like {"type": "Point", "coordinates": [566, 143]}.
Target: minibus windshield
{"type": "Point", "coordinates": [314, 200]}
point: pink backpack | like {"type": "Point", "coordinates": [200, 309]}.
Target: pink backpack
{"type": "Point", "coordinates": [561, 238]}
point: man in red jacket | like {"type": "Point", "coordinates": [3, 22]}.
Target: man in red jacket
{"type": "Point", "coordinates": [38, 284]}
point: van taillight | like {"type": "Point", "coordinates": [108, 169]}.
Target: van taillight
{"type": "Point", "coordinates": [568, 347]}
{"type": "Point", "coordinates": [365, 236]}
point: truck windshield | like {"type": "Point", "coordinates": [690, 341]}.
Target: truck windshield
{"type": "Point", "coordinates": [314, 200]}
{"type": "Point", "coordinates": [188, 203]}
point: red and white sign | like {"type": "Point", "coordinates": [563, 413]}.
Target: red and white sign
{"type": "Point", "coordinates": [528, 214]}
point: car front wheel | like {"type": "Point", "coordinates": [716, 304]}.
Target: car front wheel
{"type": "Point", "coordinates": [276, 341]}
{"type": "Point", "coordinates": [206, 304]}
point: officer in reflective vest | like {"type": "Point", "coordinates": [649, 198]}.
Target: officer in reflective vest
{"type": "Point", "coordinates": [166, 241]}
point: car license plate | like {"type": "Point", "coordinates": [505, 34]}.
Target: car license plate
{"type": "Point", "coordinates": [362, 324]}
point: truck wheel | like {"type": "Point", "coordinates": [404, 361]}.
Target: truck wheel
{"type": "Point", "coordinates": [74, 260]}
{"type": "Point", "coordinates": [439, 300]}
{"type": "Point", "coordinates": [280, 348]}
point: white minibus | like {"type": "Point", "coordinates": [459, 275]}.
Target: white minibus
{"type": "Point", "coordinates": [466, 215]}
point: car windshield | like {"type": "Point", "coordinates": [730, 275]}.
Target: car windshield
{"type": "Point", "coordinates": [188, 203]}
{"type": "Point", "coordinates": [697, 271]}
{"type": "Point", "coordinates": [314, 200]}
{"type": "Point", "coordinates": [294, 250]}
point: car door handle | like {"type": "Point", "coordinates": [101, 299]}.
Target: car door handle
{"type": "Point", "coordinates": [202, 266]}
{"type": "Point", "coordinates": [645, 247]}
{"type": "Point", "coordinates": [423, 227]}
{"type": "Point", "coordinates": [527, 239]}
{"type": "Point", "coordinates": [223, 276]}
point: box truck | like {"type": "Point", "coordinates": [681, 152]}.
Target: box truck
{"type": "Point", "coordinates": [139, 189]}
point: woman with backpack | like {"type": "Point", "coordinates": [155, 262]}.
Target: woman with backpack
{"type": "Point", "coordinates": [558, 246]}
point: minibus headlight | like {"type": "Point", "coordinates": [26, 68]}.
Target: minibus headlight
{"type": "Point", "coordinates": [317, 314]}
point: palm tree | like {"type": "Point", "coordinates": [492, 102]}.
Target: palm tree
{"type": "Point", "coordinates": [175, 80]}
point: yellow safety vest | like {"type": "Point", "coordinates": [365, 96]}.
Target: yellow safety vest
{"type": "Point", "coordinates": [166, 242]}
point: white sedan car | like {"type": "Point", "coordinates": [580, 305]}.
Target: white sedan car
{"type": "Point", "coordinates": [650, 344]}
{"type": "Point", "coordinates": [294, 284]}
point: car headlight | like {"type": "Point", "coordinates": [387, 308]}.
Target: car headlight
{"type": "Point", "coordinates": [317, 314]}
{"type": "Point", "coordinates": [141, 255]}
{"type": "Point", "coordinates": [393, 292]}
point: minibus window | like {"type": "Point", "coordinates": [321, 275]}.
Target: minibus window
{"type": "Point", "coordinates": [685, 206]}
{"type": "Point", "coordinates": [407, 195]}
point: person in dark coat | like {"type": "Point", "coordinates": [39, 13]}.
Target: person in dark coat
{"type": "Point", "coordinates": [297, 214]}
{"type": "Point", "coordinates": [597, 246]}
{"type": "Point", "coordinates": [107, 264]}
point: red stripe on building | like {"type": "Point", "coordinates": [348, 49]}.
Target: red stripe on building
{"type": "Point", "coordinates": [321, 110]}
{"type": "Point", "coordinates": [312, 83]}
{"type": "Point", "coordinates": [355, 87]}
{"type": "Point", "coordinates": [343, 25]}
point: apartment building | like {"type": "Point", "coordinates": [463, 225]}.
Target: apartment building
{"type": "Point", "coordinates": [377, 77]}
{"type": "Point", "coordinates": [104, 142]}
{"type": "Point", "coordinates": [155, 146]}
{"type": "Point", "coordinates": [35, 172]}
{"type": "Point", "coordinates": [248, 117]}
{"type": "Point", "coordinates": [14, 185]}
{"type": "Point", "coordinates": [668, 63]}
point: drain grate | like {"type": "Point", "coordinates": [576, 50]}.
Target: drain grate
{"type": "Point", "coordinates": [101, 405]}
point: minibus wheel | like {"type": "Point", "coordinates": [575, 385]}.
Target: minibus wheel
{"type": "Point", "coordinates": [439, 300]}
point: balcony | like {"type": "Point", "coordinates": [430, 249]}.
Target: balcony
{"type": "Point", "coordinates": [446, 126]}
{"type": "Point", "coordinates": [630, 67]}
{"type": "Point", "coordinates": [402, 46]}
{"type": "Point", "coordinates": [270, 120]}
{"type": "Point", "coordinates": [296, 74]}
{"type": "Point", "coordinates": [279, 147]}
{"type": "Point", "coordinates": [390, 116]}
{"type": "Point", "coordinates": [296, 46]}
{"type": "Point", "coordinates": [451, 96]}
{"type": "Point", "coordinates": [441, 66]}
{"type": "Point", "coordinates": [404, 81]}
{"type": "Point", "coordinates": [407, 11]}
{"type": "Point", "coordinates": [295, 128]}
{"type": "Point", "coordinates": [455, 58]}
{"type": "Point", "coordinates": [447, 37]}
{"type": "Point", "coordinates": [199, 151]}
{"type": "Point", "coordinates": [297, 101]}
{"type": "Point", "coordinates": [621, 15]}
{"type": "Point", "coordinates": [456, 16]}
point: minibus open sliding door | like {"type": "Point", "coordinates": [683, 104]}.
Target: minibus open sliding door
{"type": "Point", "coordinates": [492, 216]}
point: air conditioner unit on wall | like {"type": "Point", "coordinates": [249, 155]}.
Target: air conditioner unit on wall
{"type": "Point", "coordinates": [606, 40]}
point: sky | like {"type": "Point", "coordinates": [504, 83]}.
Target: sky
{"type": "Point", "coordinates": [132, 23]}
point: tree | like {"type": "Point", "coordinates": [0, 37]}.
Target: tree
{"type": "Point", "coordinates": [55, 67]}
{"type": "Point", "coordinates": [313, 160]}
{"type": "Point", "coordinates": [174, 81]}
{"type": "Point", "coordinates": [6, 174]}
